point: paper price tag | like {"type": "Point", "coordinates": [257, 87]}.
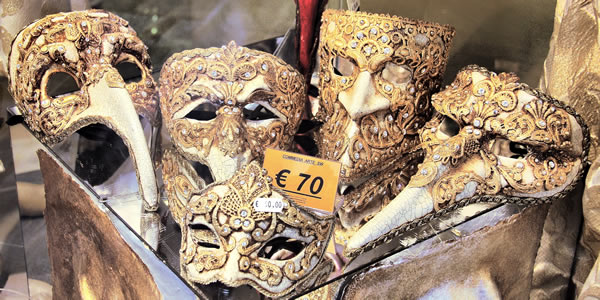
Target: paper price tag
{"type": "Point", "coordinates": [307, 180]}
{"type": "Point", "coordinates": [268, 205]}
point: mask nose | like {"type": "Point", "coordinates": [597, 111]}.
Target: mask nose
{"type": "Point", "coordinates": [111, 105]}
{"type": "Point", "coordinates": [362, 98]}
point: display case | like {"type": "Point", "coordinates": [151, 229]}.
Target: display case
{"type": "Point", "coordinates": [508, 36]}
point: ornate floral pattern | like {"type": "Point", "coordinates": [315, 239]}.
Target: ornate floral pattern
{"type": "Point", "coordinates": [233, 233]}
{"type": "Point", "coordinates": [370, 41]}
{"type": "Point", "coordinates": [219, 75]}
{"type": "Point", "coordinates": [84, 45]}
{"type": "Point", "coordinates": [491, 107]}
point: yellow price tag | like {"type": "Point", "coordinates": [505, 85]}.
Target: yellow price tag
{"type": "Point", "coordinates": [309, 181]}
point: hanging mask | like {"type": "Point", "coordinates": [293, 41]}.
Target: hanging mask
{"type": "Point", "coordinates": [224, 106]}
{"type": "Point", "coordinates": [493, 140]}
{"type": "Point", "coordinates": [376, 76]}
{"type": "Point", "coordinates": [225, 239]}
{"type": "Point", "coordinates": [85, 47]}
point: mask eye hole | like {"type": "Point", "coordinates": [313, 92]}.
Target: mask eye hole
{"type": "Point", "coordinates": [203, 172]}
{"type": "Point", "coordinates": [203, 236]}
{"type": "Point", "coordinates": [129, 71]}
{"type": "Point", "coordinates": [518, 150]}
{"type": "Point", "coordinates": [203, 112]}
{"type": "Point", "coordinates": [449, 127]}
{"type": "Point", "coordinates": [343, 66]}
{"type": "Point", "coordinates": [345, 190]}
{"type": "Point", "coordinates": [281, 248]}
{"type": "Point", "coordinates": [61, 83]}
{"type": "Point", "coordinates": [398, 75]}
{"type": "Point", "coordinates": [257, 112]}
{"type": "Point", "coordinates": [505, 148]}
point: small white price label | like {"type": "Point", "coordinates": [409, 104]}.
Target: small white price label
{"type": "Point", "coordinates": [268, 205]}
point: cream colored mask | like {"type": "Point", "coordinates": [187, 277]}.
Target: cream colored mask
{"type": "Point", "coordinates": [494, 140]}
{"type": "Point", "coordinates": [377, 73]}
{"type": "Point", "coordinates": [224, 238]}
{"type": "Point", "coordinates": [86, 46]}
{"type": "Point", "coordinates": [224, 106]}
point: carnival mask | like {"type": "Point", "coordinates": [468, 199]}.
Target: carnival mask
{"type": "Point", "coordinates": [376, 76]}
{"type": "Point", "coordinates": [494, 140]}
{"type": "Point", "coordinates": [224, 106]}
{"type": "Point", "coordinates": [86, 47]}
{"type": "Point", "coordinates": [224, 238]}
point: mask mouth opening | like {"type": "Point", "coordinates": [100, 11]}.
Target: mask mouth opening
{"type": "Point", "coordinates": [281, 248]}
{"type": "Point", "coordinates": [204, 237]}
{"type": "Point", "coordinates": [219, 290]}
{"type": "Point", "coordinates": [356, 185]}
{"type": "Point", "coordinates": [100, 152]}
{"type": "Point", "coordinates": [99, 156]}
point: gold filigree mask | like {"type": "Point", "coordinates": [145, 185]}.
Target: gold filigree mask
{"type": "Point", "coordinates": [376, 76]}
{"type": "Point", "coordinates": [86, 47]}
{"type": "Point", "coordinates": [225, 239]}
{"type": "Point", "coordinates": [494, 139]}
{"type": "Point", "coordinates": [224, 106]}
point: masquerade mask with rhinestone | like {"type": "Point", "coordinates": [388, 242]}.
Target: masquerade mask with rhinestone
{"type": "Point", "coordinates": [85, 47]}
{"type": "Point", "coordinates": [224, 238]}
{"type": "Point", "coordinates": [376, 76]}
{"type": "Point", "coordinates": [224, 106]}
{"type": "Point", "coordinates": [494, 140]}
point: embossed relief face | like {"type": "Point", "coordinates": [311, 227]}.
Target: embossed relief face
{"type": "Point", "coordinates": [86, 53]}
{"type": "Point", "coordinates": [224, 106]}
{"type": "Point", "coordinates": [225, 239]}
{"type": "Point", "coordinates": [496, 136]}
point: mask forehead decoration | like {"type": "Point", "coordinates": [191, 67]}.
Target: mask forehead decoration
{"type": "Point", "coordinates": [377, 73]}
{"type": "Point", "coordinates": [224, 106]}
{"type": "Point", "coordinates": [494, 140]}
{"type": "Point", "coordinates": [85, 47]}
{"type": "Point", "coordinates": [224, 238]}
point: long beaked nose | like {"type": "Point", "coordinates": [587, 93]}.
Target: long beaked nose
{"type": "Point", "coordinates": [410, 204]}
{"type": "Point", "coordinates": [111, 105]}
{"type": "Point", "coordinates": [362, 99]}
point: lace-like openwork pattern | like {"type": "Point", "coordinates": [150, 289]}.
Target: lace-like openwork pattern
{"type": "Point", "coordinates": [370, 41]}
{"type": "Point", "coordinates": [85, 45]}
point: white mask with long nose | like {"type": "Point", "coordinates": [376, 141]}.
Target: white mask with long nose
{"type": "Point", "coordinates": [493, 140]}
{"type": "Point", "coordinates": [86, 46]}
{"type": "Point", "coordinates": [377, 74]}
